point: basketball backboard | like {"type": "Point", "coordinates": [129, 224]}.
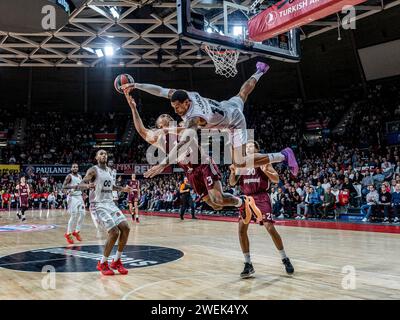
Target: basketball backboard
{"type": "Point", "coordinates": [224, 23]}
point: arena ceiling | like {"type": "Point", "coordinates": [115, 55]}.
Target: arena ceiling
{"type": "Point", "coordinates": [143, 33]}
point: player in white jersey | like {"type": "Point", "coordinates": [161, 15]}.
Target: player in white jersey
{"type": "Point", "coordinates": [76, 205]}
{"type": "Point", "coordinates": [199, 112]}
{"type": "Point", "coordinates": [99, 179]}
{"type": "Point", "coordinates": [114, 179]}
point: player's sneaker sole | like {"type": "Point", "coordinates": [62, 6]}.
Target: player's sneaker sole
{"type": "Point", "coordinates": [291, 161]}
{"type": "Point", "coordinates": [262, 67]}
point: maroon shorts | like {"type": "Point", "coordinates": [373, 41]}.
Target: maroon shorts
{"type": "Point", "coordinates": [23, 202]}
{"type": "Point", "coordinates": [263, 202]}
{"type": "Point", "coordinates": [203, 178]}
{"type": "Point", "coordinates": [132, 197]}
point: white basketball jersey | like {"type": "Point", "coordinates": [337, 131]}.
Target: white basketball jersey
{"type": "Point", "coordinates": [113, 175]}
{"type": "Point", "coordinates": [75, 180]}
{"type": "Point", "coordinates": [210, 110]}
{"type": "Point", "coordinates": [103, 186]}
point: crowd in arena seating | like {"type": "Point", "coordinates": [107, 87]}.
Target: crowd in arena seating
{"type": "Point", "coordinates": [352, 169]}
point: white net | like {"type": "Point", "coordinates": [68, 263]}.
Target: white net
{"type": "Point", "coordinates": [224, 60]}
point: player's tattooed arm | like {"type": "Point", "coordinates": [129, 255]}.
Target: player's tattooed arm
{"type": "Point", "coordinates": [87, 181]}
{"type": "Point", "coordinates": [150, 88]}
{"type": "Point", "coordinates": [271, 173]}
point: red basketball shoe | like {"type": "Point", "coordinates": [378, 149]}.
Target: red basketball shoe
{"type": "Point", "coordinates": [104, 269]}
{"type": "Point", "coordinates": [77, 235]}
{"type": "Point", "coordinates": [69, 238]}
{"type": "Point", "coordinates": [117, 265]}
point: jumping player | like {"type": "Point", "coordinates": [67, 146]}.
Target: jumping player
{"type": "Point", "coordinates": [204, 178]}
{"type": "Point", "coordinates": [199, 112]}
{"type": "Point", "coordinates": [23, 197]}
{"type": "Point", "coordinates": [99, 179]}
{"type": "Point", "coordinates": [133, 198]}
{"type": "Point", "coordinates": [75, 203]}
{"type": "Point", "coordinates": [255, 182]}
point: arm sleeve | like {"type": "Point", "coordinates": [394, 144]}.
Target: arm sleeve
{"type": "Point", "coordinates": [153, 89]}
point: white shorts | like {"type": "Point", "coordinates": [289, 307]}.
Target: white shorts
{"type": "Point", "coordinates": [237, 121]}
{"type": "Point", "coordinates": [106, 215]}
{"type": "Point", "coordinates": [234, 102]}
{"type": "Point", "coordinates": [75, 204]}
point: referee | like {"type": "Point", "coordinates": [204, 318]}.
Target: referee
{"type": "Point", "coordinates": [186, 199]}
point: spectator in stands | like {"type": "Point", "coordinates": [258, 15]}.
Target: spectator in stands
{"type": "Point", "coordinates": [305, 201]}
{"type": "Point", "coordinates": [366, 182]}
{"type": "Point", "coordinates": [328, 203]}
{"type": "Point", "coordinates": [396, 203]}
{"type": "Point", "coordinates": [52, 201]}
{"type": "Point", "coordinates": [372, 200]}
{"type": "Point", "coordinates": [293, 199]}
{"type": "Point", "coordinates": [385, 200]}
{"type": "Point", "coordinates": [344, 198]}
{"type": "Point", "coordinates": [277, 208]}
{"type": "Point", "coordinates": [379, 177]}
{"type": "Point", "coordinates": [314, 202]}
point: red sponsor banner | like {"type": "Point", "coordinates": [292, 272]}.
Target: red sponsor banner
{"type": "Point", "coordinates": [138, 169]}
{"type": "Point", "coordinates": [289, 14]}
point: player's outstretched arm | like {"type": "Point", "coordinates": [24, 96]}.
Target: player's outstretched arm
{"type": "Point", "coordinates": [122, 189]}
{"type": "Point", "coordinates": [151, 88]}
{"type": "Point", "coordinates": [271, 173]}
{"type": "Point", "coordinates": [233, 178]}
{"type": "Point", "coordinates": [144, 132]}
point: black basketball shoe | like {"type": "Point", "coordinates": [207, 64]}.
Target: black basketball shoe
{"type": "Point", "coordinates": [247, 271]}
{"type": "Point", "coordinates": [288, 266]}
{"type": "Point", "coordinates": [19, 216]}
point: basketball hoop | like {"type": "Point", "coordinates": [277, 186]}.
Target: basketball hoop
{"type": "Point", "coordinates": [224, 59]}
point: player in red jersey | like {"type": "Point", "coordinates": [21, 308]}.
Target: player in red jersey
{"type": "Point", "coordinates": [23, 198]}
{"type": "Point", "coordinates": [205, 178]}
{"type": "Point", "coordinates": [255, 182]}
{"type": "Point", "coordinates": [133, 198]}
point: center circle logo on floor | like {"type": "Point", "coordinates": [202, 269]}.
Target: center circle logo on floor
{"type": "Point", "coordinates": [26, 227]}
{"type": "Point", "coordinates": [84, 258]}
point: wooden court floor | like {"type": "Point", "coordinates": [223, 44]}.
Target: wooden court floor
{"type": "Point", "coordinates": [330, 264]}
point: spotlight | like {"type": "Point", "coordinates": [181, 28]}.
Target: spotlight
{"type": "Point", "coordinates": [109, 51]}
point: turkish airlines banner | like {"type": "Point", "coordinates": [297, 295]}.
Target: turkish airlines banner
{"type": "Point", "coordinates": [289, 14]}
{"type": "Point", "coordinates": [138, 169]}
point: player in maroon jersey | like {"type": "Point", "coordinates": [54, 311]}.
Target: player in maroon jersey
{"type": "Point", "coordinates": [255, 182]}
{"type": "Point", "coordinates": [133, 198]}
{"type": "Point", "coordinates": [204, 178]}
{"type": "Point", "coordinates": [23, 198]}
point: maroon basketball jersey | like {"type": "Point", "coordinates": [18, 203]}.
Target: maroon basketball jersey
{"type": "Point", "coordinates": [23, 194]}
{"type": "Point", "coordinates": [253, 181]}
{"type": "Point", "coordinates": [134, 184]}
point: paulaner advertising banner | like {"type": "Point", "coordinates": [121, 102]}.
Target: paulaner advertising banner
{"type": "Point", "coordinates": [47, 169]}
{"type": "Point", "coordinates": [289, 14]}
